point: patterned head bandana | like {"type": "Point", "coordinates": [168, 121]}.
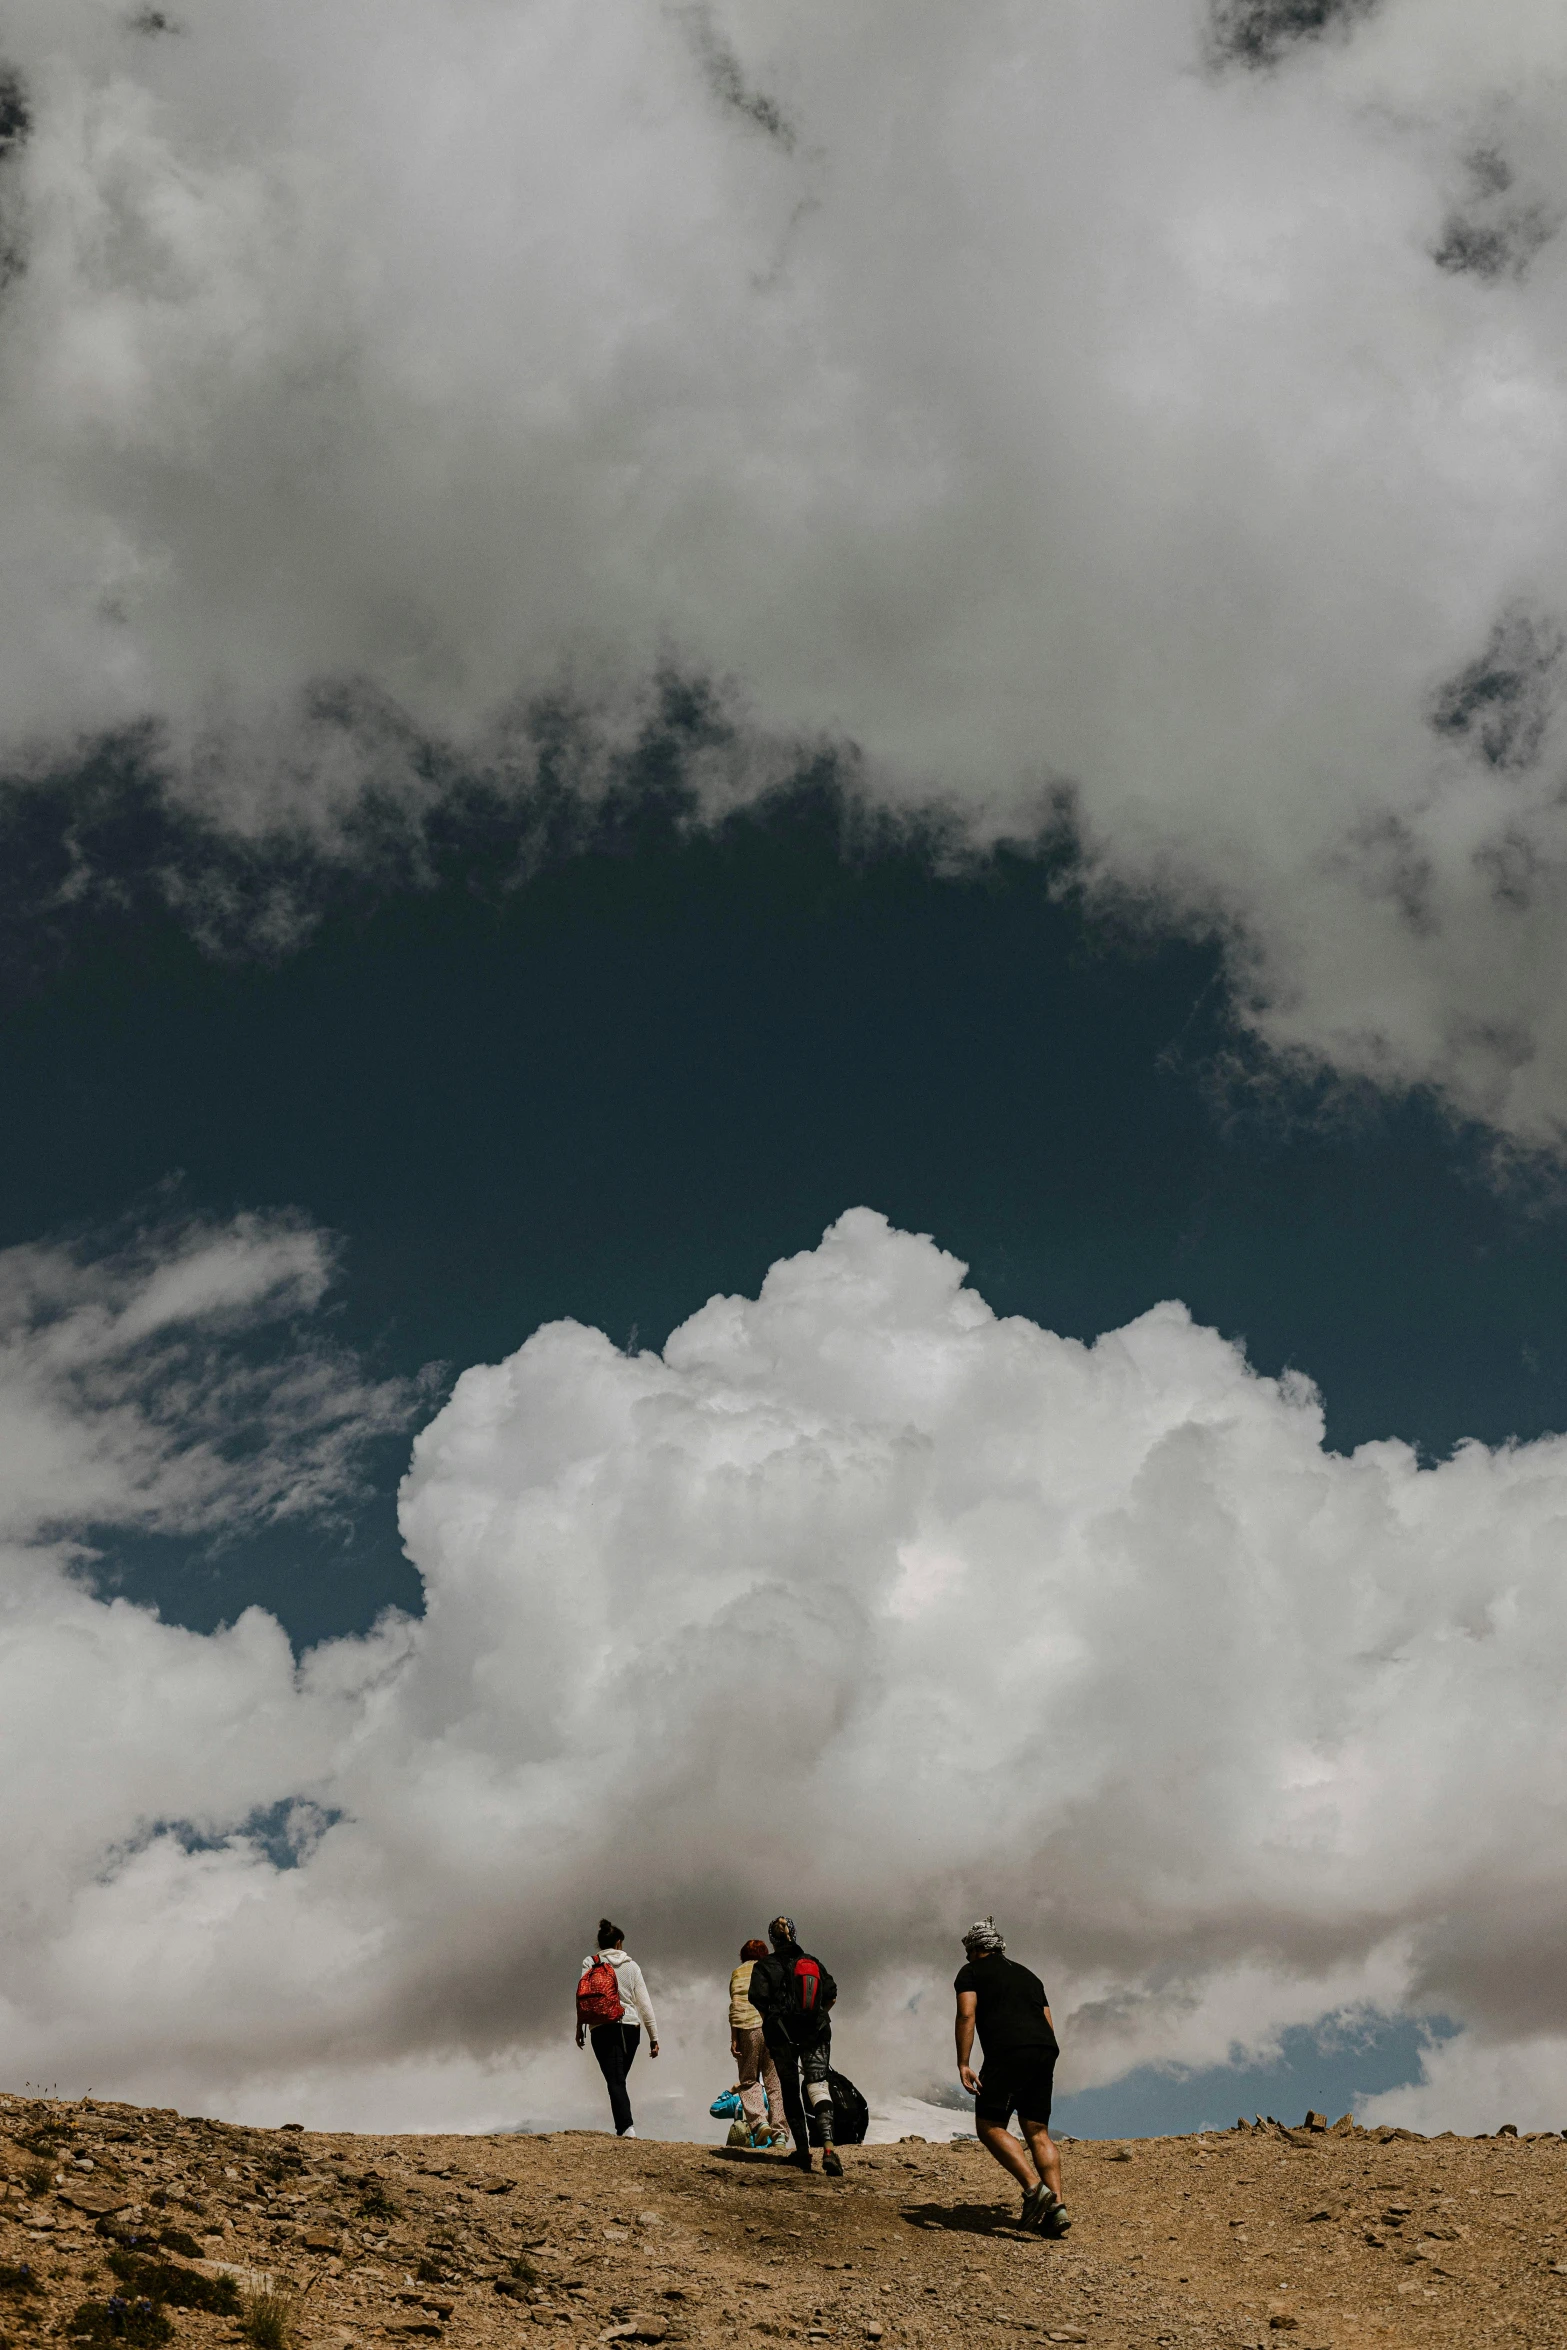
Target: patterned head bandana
{"type": "Point", "coordinates": [783, 1933]}
{"type": "Point", "coordinates": [982, 1938]}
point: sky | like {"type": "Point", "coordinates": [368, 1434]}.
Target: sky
{"type": "Point", "coordinates": [780, 1003]}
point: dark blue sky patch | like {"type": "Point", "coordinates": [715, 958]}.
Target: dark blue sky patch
{"type": "Point", "coordinates": [1331, 2068]}
{"type": "Point", "coordinates": [321, 1579]}
{"type": "Point", "coordinates": [610, 1081]}
{"type": "Point", "coordinates": [286, 1832]}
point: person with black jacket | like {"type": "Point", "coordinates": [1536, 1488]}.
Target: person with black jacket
{"type": "Point", "coordinates": [793, 1993]}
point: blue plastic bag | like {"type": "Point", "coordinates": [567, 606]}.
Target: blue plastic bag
{"type": "Point", "coordinates": [725, 2108]}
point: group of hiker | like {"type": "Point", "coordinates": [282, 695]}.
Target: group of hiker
{"type": "Point", "coordinates": [780, 2035]}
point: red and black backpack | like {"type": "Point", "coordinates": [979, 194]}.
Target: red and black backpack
{"type": "Point", "coordinates": [806, 1983]}
{"type": "Point", "coordinates": [808, 1993]}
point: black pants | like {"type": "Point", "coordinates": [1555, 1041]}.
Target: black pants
{"type": "Point", "coordinates": [811, 2064]}
{"type": "Point", "coordinates": [615, 2046]}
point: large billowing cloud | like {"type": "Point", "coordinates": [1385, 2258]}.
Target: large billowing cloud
{"type": "Point", "coordinates": [858, 1601]}
{"type": "Point", "coordinates": [1157, 400]}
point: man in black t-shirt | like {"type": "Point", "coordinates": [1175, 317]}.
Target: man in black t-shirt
{"type": "Point", "coordinates": [1010, 2008]}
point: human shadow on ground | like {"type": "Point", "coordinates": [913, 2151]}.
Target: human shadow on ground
{"type": "Point", "coordinates": [967, 2219]}
{"type": "Point", "coordinates": [744, 2167]}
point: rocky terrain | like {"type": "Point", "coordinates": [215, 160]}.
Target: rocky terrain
{"type": "Point", "coordinates": [119, 2223]}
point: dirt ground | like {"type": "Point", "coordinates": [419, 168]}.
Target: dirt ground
{"type": "Point", "coordinates": [1249, 2237]}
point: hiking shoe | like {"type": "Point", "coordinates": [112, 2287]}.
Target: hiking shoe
{"type": "Point", "coordinates": [1036, 2202]}
{"type": "Point", "coordinates": [802, 2160]}
{"type": "Point", "coordinates": [831, 2162]}
{"type": "Point", "coordinates": [1055, 2222]}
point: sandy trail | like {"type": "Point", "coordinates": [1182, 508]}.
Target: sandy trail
{"type": "Point", "coordinates": [1322, 2242]}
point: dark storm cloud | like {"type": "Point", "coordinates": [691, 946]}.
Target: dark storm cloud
{"type": "Point", "coordinates": [1499, 706]}
{"type": "Point", "coordinates": [1260, 32]}
{"type": "Point", "coordinates": [1494, 248]}
{"type": "Point", "coordinates": [1494, 235]}
{"type": "Point", "coordinates": [1388, 862]}
{"type": "Point", "coordinates": [16, 124]}
{"type": "Point", "coordinates": [1512, 866]}
{"type": "Point", "coordinates": [726, 78]}
{"type": "Point", "coordinates": [16, 114]}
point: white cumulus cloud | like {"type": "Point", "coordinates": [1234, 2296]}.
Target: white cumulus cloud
{"type": "Point", "coordinates": [1122, 395]}
{"type": "Point", "coordinates": [858, 1601]}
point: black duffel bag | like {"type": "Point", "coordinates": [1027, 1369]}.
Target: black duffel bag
{"type": "Point", "coordinates": [851, 2116]}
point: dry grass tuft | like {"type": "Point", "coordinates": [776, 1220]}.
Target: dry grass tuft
{"type": "Point", "coordinates": [268, 2320]}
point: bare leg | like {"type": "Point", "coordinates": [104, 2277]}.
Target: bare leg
{"type": "Point", "coordinates": [998, 2140]}
{"type": "Point", "coordinates": [1043, 2148]}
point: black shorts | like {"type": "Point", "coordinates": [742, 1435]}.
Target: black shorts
{"type": "Point", "coordinates": [1019, 2082]}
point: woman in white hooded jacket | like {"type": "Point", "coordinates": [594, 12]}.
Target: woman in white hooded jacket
{"type": "Point", "coordinates": [615, 2044]}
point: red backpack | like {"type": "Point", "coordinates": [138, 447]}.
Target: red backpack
{"type": "Point", "coordinates": [598, 1995]}
{"type": "Point", "coordinates": [808, 1984]}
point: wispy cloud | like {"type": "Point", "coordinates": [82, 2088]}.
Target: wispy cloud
{"type": "Point", "coordinates": [167, 1384]}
